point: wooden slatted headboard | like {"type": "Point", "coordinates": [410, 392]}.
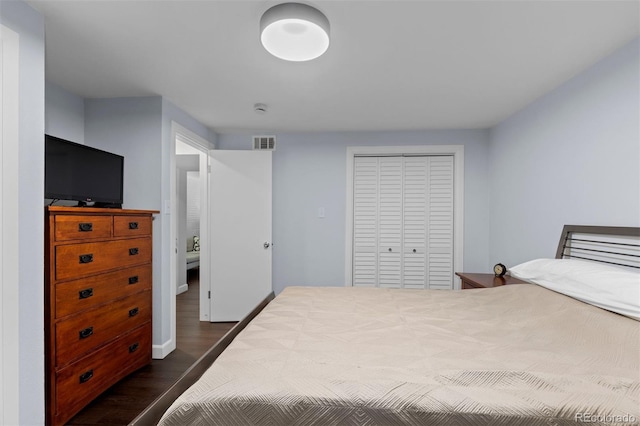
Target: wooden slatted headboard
{"type": "Point", "coordinates": [615, 245]}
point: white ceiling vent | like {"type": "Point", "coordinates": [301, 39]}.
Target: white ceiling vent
{"type": "Point", "coordinates": [264, 143]}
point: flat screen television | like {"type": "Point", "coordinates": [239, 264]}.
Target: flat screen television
{"type": "Point", "coordinates": [81, 173]}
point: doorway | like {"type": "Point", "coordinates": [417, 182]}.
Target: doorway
{"type": "Point", "coordinates": [188, 233]}
{"type": "Point", "coordinates": [189, 160]}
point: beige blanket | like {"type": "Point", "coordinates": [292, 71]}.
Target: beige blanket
{"type": "Point", "coordinates": [514, 355]}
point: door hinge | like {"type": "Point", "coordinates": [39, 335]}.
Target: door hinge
{"type": "Point", "coordinates": [209, 294]}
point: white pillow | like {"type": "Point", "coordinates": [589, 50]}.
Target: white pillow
{"type": "Point", "coordinates": [608, 287]}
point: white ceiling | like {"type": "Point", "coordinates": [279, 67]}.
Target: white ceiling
{"type": "Point", "coordinates": [391, 65]}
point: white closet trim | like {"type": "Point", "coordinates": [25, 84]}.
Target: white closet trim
{"type": "Point", "coordinates": [457, 151]}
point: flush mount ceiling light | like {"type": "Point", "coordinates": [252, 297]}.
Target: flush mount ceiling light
{"type": "Point", "coordinates": [294, 32]}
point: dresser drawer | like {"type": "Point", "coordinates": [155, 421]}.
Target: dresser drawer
{"type": "Point", "coordinates": [72, 227]}
{"type": "Point", "coordinates": [87, 378]}
{"type": "Point", "coordinates": [86, 293]}
{"type": "Point", "coordinates": [80, 334]}
{"type": "Point", "coordinates": [126, 226]}
{"type": "Point", "coordinates": [79, 260]}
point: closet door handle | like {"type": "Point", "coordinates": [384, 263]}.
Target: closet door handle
{"type": "Point", "coordinates": [133, 251]}
{"type": "Point", "coordinates": [86, 258]}
{"type": "Point", "coordinates": [414, 250]}
{"type": "Point", "coordinates": [133, 225]}
{"type": "Point", "coordinates": [84, 377]}
{"type": "Point", "coordinates": [389, 248]}
{"type": "Point", "coordinates": [85, 227]}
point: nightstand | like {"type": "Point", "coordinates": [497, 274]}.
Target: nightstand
{"type": "Point", "coordinates": [485, 280]}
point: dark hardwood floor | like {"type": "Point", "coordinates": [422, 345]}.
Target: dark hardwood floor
{"type": "Point", "coordinates": [121, 403]}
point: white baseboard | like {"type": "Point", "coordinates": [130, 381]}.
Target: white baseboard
{"type": "Point", "coordinates": [161, 351]}
{"type": "Point", "coordinates": [182, 289]}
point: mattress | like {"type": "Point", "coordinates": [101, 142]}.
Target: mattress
{"type": "Point", "coordinates": [513, 355]}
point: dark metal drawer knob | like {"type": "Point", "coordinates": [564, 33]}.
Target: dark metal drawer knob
{"type": "Point", "coordinates": [85, 227]}
{"type": "Point", "coordinates": [133, 312]}
{"type": "Point", "coordinates": [133, 225]}
{"type": "Point", "coordinates": [133, 251]}
{"type": "Point", "coordinates": [85, 333]}
{"type": "Point", "coordinates": [87, 292]}
{"type": "Point", "coordinates": [86, 258]}
{"type": "Point", "coordinates": [134, 347]}
{"type": "Point", "coordinates": [84, 377]}
{"type": "Point", "coordinates": [133, 280]}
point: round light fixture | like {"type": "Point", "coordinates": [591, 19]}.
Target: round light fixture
{"type": "Point", "coordinates": [294, 32]}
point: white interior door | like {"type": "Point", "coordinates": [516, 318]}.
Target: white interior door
{"type": "Point", "coordinates": [240, 213]}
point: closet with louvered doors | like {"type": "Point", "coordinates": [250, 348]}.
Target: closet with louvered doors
{"type": "Point", "coordinates": [403, 221]}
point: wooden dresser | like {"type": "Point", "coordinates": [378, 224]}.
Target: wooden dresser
{"type": "Point", "coordinates": [97, 302]}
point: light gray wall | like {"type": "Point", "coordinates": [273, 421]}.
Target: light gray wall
{"type": "Point", "coordinates": [140, 130]}
{"type": "Point", "coordinates": [29, 25]}
{"type": "Point", "coordinates": [572, 157]}
{"type": "Point", "coordinates": [309, 172]}
{"type": "Point", "coordinates": [64, 113]}
{"type": "Point", "coordinates": [131, 127]}
{"type": "Point", "coordinates": [171, 113]}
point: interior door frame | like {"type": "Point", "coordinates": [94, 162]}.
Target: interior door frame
{"type": "Point", "coordinates": [457, 151]}
{"type": "Point", "coordinates": [9, 275]}
{"type": "Point", "coordinates": [202, 145]}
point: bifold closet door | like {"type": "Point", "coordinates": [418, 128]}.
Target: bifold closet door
{"type": "Point", "coordinates": [390, 181]}
{"type": "Point", "coordinates": [440, 223]}
{"type": "Point", "coordinates": [415, 197]}
{"type": "Point", "coordinates": [403, 222]}
{"type": "Point", "coordinates": [365, 222]}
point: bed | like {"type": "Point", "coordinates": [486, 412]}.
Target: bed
{"type": "Point", "coordinates": [519, 354]}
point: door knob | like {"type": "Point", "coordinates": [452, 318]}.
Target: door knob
{"type": "Point", "coordinates": [266, 245]}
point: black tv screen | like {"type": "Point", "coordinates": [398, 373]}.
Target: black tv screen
{"type": "Point", "coordinates": [81, 173]}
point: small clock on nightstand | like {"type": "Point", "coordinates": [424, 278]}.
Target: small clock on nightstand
{"type": "Point", "coordinates": [499, 269]}
{"type": "Point", "coordinates": [471, 280]}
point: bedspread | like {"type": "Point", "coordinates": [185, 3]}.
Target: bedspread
{"type": "Point", "coordinates": [513, 355]}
